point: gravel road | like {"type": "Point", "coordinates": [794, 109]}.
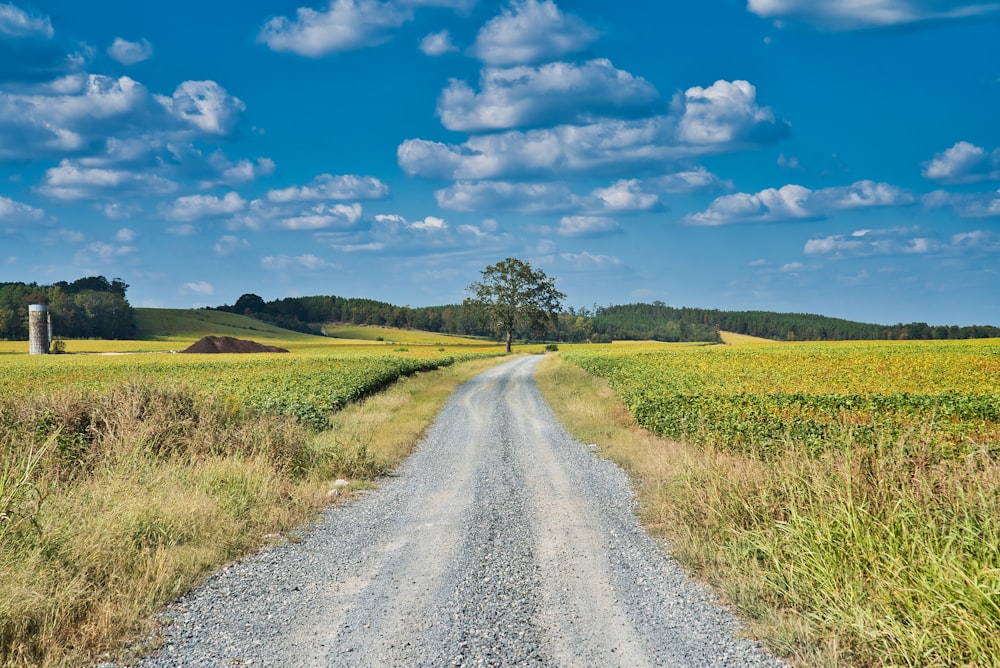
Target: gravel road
{"type": "Point", "coordinates": [501, 541]}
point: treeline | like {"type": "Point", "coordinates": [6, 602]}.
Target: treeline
{"type": "Point", "coordinates": [88, 308]}
{"type": "Point", "coordinates": [655, 321]}
{"type": "Point", "coordinates": [809, 327]}
{"type": "Point", "coordinates": [574, 326]}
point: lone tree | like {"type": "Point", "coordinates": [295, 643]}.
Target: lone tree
{"type": "Point", "coordinates": [513, 296]}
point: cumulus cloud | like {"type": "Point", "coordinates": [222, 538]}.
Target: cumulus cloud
{"type": "Point", "coordinates": [125, 235]}
{"type": "Point", "coordinates": [130, 53]}
{"type": "Point", "coordinates": [344, 25]}
{"type": "Point", "coordinates": [622, 196]}
{"type": "Point", "coordinates": [851, 14]}
{"type": "Point", "coordinates": [198, 288]}
{"type": "Point", "coordinates": [206, 105]}
{"type": "Point", "coordinates": [196, 207]}
{"type": "Point", "coordinates": [15, 22]}
{"type": "Point", "coordinates": [545, 95]}
{"type": "Point", "coordinates": [963, 163]}
{"type": "Point", "coordinates": [588, 262]}
{"type": "Point", "coordinates": [394, 222]}
{"type": "Point", "coordinates": [72, 181]}
{"type": "Point", "coordinates": [101, 253]}
{"type": "Point", "coordinates": [308, 262]}
{"type": "Point", "coordinates": [863, 243]}
{"type": "Point", "coordinates": [327, 187]}
{"type": "Point", "coordinates": [503, 195]}
{"type": "Point", "coordinates": [16, 213]}
{"type": "Point", "coordinates": [529, 31]}
{"type": "Point", "coordinates": [438, 44]}
{"type": "Point", "coordinates": [722, 118]}
{"type": "Point", "coordinates": [966, 205]}
{"type": "Point", "coordinates": [794, 202]}
{"type": "Point", "coordinates": [726, 112]}
{"type": "Point", "coordinates": [293, 215]}
{"type": "Point", "coordinates": [82, 113]}
{"type": "Point", "coordinates": [586, 226]}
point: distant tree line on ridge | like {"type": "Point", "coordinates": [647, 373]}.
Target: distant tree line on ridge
{"type": "Point", "coordinates": [87, 308]}
{"type": "Point", "coordinates": [655, 321]}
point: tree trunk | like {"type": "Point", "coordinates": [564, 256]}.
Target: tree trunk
{"type": "Point", "coordinates": [510, 338]}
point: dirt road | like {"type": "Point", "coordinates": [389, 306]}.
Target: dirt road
{"type": "Point", "coordinates": [502, 541]}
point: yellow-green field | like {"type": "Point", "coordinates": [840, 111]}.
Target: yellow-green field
{"type": "Point", "coordinates": [391, 335]}
{"type": "Point", "coordinates": [845, 496]}
{"type": "Point", "coordinates": [128, 472]}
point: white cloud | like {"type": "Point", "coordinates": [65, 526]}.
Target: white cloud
{"type": "Point", "coordinates": [125, 235]}
{"type": "Point", "coordinates": [626, 195]}
{"type": "Point", "coordinates": [130, 53]}
{"type": "Point", "coordinates": [206, 105]}
{"type": "Point", "coordinates": [864, 243]}
{"type": "Point", "coordinates": [529, 31]}
{"type": "Point", "coordinates": [725, 112]}
{"type": "Point", "coordinates": [853, 14]}
{"type": "Point", "coordinates": [195, 207]}
{"type": "Point", "coordinates": [16, 213]}
{"type": "Point", "coordinates": [545, 95]}
{"type": "Point", "coordinates": [438, 44]}
{"type": "Point", "coordinates": [321, 217]}
{"type": "Point", "coordinates": [184, 230]}
{"type": "Point", "coordinates": [71, 181]}
{"type": "Point", "coordinates": [722, 118]}
{"type": "Point", "coordinates": [344, 25]}
{"type": "Point", "coordinates": [503, 195]}
{"type": "Point", "coordinates": [622, 196]}
{"type": "Point", "coordinates": [794, 202]}
{"type": "Point", "coordinates": [246, 171]}
{"type": "Point", "coordinates": [198, 288]}
{"type": "Point", "coordinates": [395, 222]}
{"type": "Point", "coordinates": [65, 237]}
{"type": "Point", "coordinates": [327, 187]}
{"type": "Point", "coordinates": [371, 247]}
{"type": "Point", "coordinates": [15, 22]}
{"type": "Point", "coordinates": [229, 244]}
{"type": "Point", "coordinates": [963, 163]}
{"type": "Point", "coordinates": [308, 261]}
{"type": "Point", "coordinates": [79, 113]}
{"type": "Point", "coordinates": [966, 205]}
{"type": "Point", "coordinates": [586, 226]}
{"type": "Point", "coordinates": [586, 261]}
{"type": "Point", "coordinates": [101, 253]}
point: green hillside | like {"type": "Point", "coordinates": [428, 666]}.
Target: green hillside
{"type": "Point", "coordinates": [165, 324]}
{"type": "Point", "coordinates": [395, 335]}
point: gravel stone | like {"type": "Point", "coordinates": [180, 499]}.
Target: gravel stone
{"type": "Point", "coordinates": [501, 541]}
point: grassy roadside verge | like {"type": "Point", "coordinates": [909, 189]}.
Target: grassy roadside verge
{"type": "Point", "coordinates": [113, 503]}
{"type": "Point", "coordinates": [846, 558]}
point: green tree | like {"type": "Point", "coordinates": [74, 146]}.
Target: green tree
{"type": "Point", "coordinates": [513, 296]}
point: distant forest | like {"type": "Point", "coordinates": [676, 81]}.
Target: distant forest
{"type": "Point", "coordinates": [95, 307]}
{"type": "Point", "coordinates": [88, 308]}
{"type": "Point", "coordinates": [655, 321]}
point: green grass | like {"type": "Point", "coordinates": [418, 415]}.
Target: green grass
{"type": "Point", "coordinates": [391, 335]}
{"type": "Point", "coordinates": [183, 325]}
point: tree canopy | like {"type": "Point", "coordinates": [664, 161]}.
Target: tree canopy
{"type": "Point", "coordinates": [512, 296]}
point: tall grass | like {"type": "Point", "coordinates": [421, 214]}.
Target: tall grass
{"type": "Point", "coordinates": [114, 502]}
{"type": "Point", "coordinates": [861, 555]}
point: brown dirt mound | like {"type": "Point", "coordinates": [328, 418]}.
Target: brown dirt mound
{"type": "Point", "coordinates": [227, 344]}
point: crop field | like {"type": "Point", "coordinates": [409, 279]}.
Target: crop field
{"type": "Point", "coordinates": [845, 496]}
{"type": "Point", "coordinates": [755, 398]}
{"type": "Point", "coordinates": [317, 378]}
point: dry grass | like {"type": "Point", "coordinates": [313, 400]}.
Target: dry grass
{"type": "Point", "coordinates": [855, 557]}
{"type": "Point", "coordinates": [114, 503]}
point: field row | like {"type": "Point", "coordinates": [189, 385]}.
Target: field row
{"type": "Point", "coordinates": [307, 385]}
{"type": "Point", "coordinates": [758, 398]}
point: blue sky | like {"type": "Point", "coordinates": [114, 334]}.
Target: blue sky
{"type": "Point", "coordinates": [821, 156]}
